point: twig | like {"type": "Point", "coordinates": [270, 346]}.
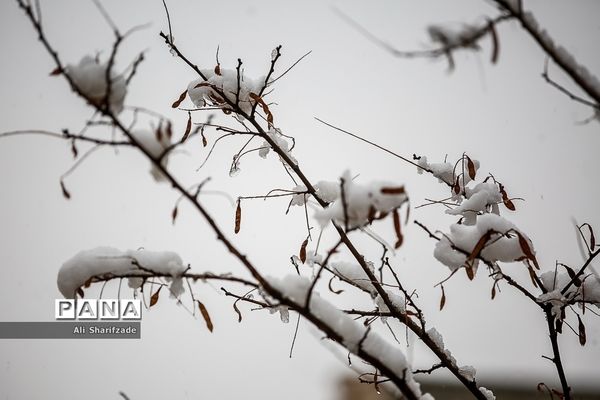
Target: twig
{"type": "Point", "coordinates": [295, 335]}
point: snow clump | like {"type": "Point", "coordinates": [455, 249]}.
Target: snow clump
{"type": "Point", "coordinates": [90, 78]}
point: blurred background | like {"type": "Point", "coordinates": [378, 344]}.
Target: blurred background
{"type": "Point", "coordinates": [523, 131]}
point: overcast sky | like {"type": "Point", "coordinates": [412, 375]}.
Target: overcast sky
{"type": "Point", "coordinates": [522, 130]}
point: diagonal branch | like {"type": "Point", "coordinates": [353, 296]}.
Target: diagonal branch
{"type": "Point", "coordinates": [579, 74]}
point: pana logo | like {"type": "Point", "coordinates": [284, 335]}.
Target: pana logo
{"type": "Point", "coordinates": [104, 309]}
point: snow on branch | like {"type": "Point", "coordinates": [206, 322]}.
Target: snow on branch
{"type": "Point", "coordinates": [359, 204]}
{"type": "Point", "coordinates": [101, 261]}
{"type": "Point", "coordinates": [225, 84]}
{"type": "Point", "coordinates": [587, 81]}
{"type": "Point", "coordinates": [492, 237]}
{"type": "Point", "coordinates": [89, 75]}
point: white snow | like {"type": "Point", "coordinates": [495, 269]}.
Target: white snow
{"type": "Point", "coordinates": [478, 199]}
{"type": "Point", "coordinates": [353, 272]}
{"type": "Point", "coordinates": [397, 300]}
{"type": "Point", "coordinates": [280, 141]}
{"type": "Point", "coordinates": [437, 338]}
{"type": "Point", "coordinates": [149, 141]}
{"type": "Point", "coordinates": [90, 77]}
{"type": "Point", "coordinates": [327, 191]}
{"type": "Point", "coordinates": [300, 198]}
{"type": "Point", "coordinates": [108, 260]}
{"type": "Point", "coordinates": [443, 171]}
{"type": "Point", "coordinates": [284, 313]}
{"type": "Point", "coordinates": [468, 372]}
{"type": "Point", "coordinates": [588, 291]}
{"type": "Point", "coordinates": [354, 333]}
{"type": "Point", "coordinates": [489, 395]}
{"type": "Point", "coordinates": [203, 92]}
{"type": "Point", "coordinates": [359, 200]}
{"type": "Point", "coordinates": [556, 299]}
{"type": "Point", "coordinates": [465, 237]}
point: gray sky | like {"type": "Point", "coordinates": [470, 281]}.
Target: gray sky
{"type": "Point", "coordinates": [523, 131]}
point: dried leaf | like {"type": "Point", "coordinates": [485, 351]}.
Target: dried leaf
{"type": "Point", "coordinates": [471, 168]}
{"type": "Point", "coordinates": [303, 251]}
{"type": "Point", "coordinates": [582, 335]}
{"type": "Point", "coordinates": [478, 247]}
{"type": "Point", "coordinates": [56, 71]}
{"type": "Point", "coordinates": [180, 99]}
{"type": "Point", "coordinates": [572, 275]}
{"type": "Point", "coordinates": [372, 214]}
{"type": "Point", "coordinates": [188, 128]}
{"type": "Point", "coordinates": [532, 275]}
{"type": "Point", "coordinates": [264, 106]}
{"type": "Point", "coordinates": [494, 291]}
{"type": "Point", "coordinates": [392, 190]}
{"type": "Point", "coordinates": [204, 141]}
{"type": "Point", "coordinates": [158, 133]}
{"type": "Point", "coordinates": [174, 215]}
{"type": "Point", "coordinates": [443, 299]}
{"type": "Point", "coordinates": [456, 187]}
{"type": "Point", "coordinates": [470, 272]}
{"type": "Point", "coordinates": [74, 149]}
{"type": "Point", "coordinates": [237, 310]}
{"type": "Point", "coordinates": [88, 283]}
{"type": "Point", "coordinates": [450, 59]}
{"type": "Point", "coordinates": [169, 129]}
{"type": "Point", "coordinates": [154, 297]}
{"type": "Point", "coordinates": [495, 43]}
{"type": "Point", "coordinates": [205, 315]}
{"type": "Point", "coordinates": [80, 292]}
{"type": "Point", "coordinates": [526, 249]}
{"type": "Point", "coordinates": [592, 237]}
{"type": "Point", "coordinates": [397, 229]}
{"type": "Point", "coordinates": [542, 386]}
{"type": "Point", "coordinates": [218, 69]}
{"type": "Point", "coordinates": [65, 192]}
{"type": "Point", "coordinates": [509, 204]}
{"type": "Point", "coordinates": [238, 217]}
